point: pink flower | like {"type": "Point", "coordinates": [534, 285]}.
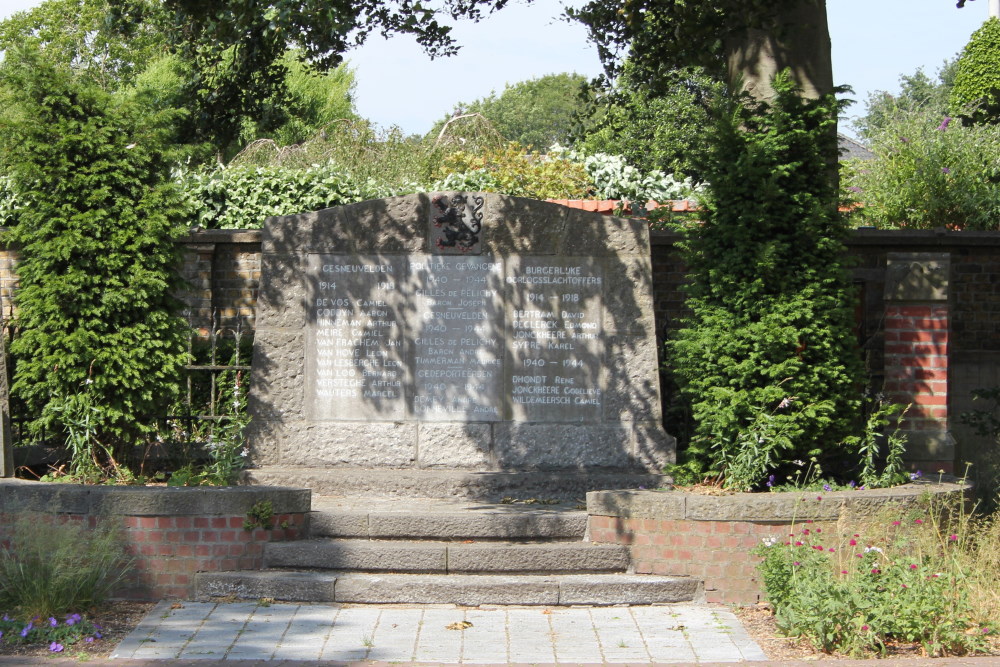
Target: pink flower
{"type": "Point", "coordinates": [798, 544]}
{"type": "Point", "coordinates": [913, 567]}
{"type": "Point", "coordinates": [864, 628]}
{"type": "Point", "coordinates": [843, 571]}
{"type": "Point", "coordinates": [853, 543]}
{"type": "Point", "coordinates": [918, 521]}
{"type": "Point", "coordinates": [953, 538]}
{"type": "Point", "coordinates": [831, 550]}
{"type": "Point", "coordinates": [895, 523]}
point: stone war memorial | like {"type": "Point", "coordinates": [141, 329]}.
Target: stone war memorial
{"type": "Point", "coordinates": [460, 344]}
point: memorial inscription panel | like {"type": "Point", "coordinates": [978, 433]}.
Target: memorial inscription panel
{"type": "Point", "coordinates": [458, 341]}
{"type": "Point", "coordinates": [452, 338]}
{"type": "Point", "coordinates": [355, 356]}
{"type": "Point", "coordinates": [556, 340]}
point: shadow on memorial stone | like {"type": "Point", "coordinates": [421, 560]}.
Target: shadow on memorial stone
{"type": "Point", "coordinates": [534, 351]}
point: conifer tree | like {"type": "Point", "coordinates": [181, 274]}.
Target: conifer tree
{"type": "Point", "coordinates": [99, 346]}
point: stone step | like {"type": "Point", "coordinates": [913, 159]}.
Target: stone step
{"type": "Point", "coordinates": [447, 557]}
{"type": "Point", "coordinates": [435, 519]}
{"type": "Point", "coordinates": [550, 590]}
{"type": "Point", "coordinates": [417, 483]}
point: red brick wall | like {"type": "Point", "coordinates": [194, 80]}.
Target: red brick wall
{"type": "Point", "coordinates": [171, 533]}
{"type": "Point", "coordinates": [717, 552]}
{"type": "Point", "coordinates": [169, 550]}
{"type": "Point", "coordinates": [916, 369]}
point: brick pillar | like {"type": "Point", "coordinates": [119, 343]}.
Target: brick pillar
{"type": "Point", "coordinates": [917, 324]}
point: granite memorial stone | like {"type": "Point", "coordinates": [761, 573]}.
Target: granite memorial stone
{"type": "Point", "coordinates": [456, 330]}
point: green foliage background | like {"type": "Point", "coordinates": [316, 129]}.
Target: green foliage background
{"type": "Point", "coordinates": [535, 113]}
{"type": "Point", "coordinates": [653, 127]}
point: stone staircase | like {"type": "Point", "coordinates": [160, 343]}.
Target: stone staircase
{"type": "Point", "coordinates": [424, 550]}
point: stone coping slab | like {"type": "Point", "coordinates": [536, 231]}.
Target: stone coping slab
{"type": "Point", "coordinates": [778, 506]}
{"type": "Point", "coordinates": [28, 496]}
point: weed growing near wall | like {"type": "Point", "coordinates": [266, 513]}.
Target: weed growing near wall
{"type": "Point", "coordinates": [905, 576]}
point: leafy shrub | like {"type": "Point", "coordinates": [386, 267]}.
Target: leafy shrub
{"type": "Point", "coordinates": [97, 225]}
{"type": "Point", "coordinates": [515, 171]}
{"type": "Point", "coordinates": [242, 197]}
{"type": "Point", "coordinates": [766, 359]}
{"type": "Point", "coordinates": [976, 91]}
{"type": "Point", "coordinates": [929, 172]}
{"type": "Point", "coordinates": [50, 569]}
{"type": "Point", "coordinates": [900, 578]}
{"type": "Point", "coordinates": [614, 178]}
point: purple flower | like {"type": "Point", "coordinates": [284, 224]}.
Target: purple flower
{"type": "Point", "coordinates": [851, 484]}
{"type": "Point", "coordinates": [770, 481]}
{"type": "Point", "coordinates": [918, 474]}
{"type": "Point", "coordinates": [944, 124]}
{"type": "Point", "coordinates": [944, 170]}
{"type": "Point", "coordinates": [904, 140]}
{"type": "Point", "coordinates": [27, 629]}
{"type": "Point", "coordinates": [89, 640]}
{"type": "Point", "coordinates": [55, 647]}
{"type": "Point", "coordinates": [53, 623]}
{"type": "Point", "coordinates": [826, 487]}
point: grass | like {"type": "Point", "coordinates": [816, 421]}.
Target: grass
{"type": "Point", "coordinates": [50, 569]}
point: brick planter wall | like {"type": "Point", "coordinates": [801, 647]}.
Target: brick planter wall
{"type": "Point", "coordinates": [710, 537]}
{"type": "Point", "coordinates": [172, 533]}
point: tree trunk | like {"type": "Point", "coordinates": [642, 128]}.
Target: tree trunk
{"type": "Point", "coordinates": [799, 40]}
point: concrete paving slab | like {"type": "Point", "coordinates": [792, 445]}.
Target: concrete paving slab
{"type": "Point", "coordinates": [262, 632]}
{"type": "Point", "coordinates": [196, 632]}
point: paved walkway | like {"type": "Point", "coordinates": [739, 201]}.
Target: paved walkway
{"type": "Point", "coordinates": [440, 634]}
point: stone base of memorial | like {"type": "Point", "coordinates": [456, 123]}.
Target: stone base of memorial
{"type": "Point", "coordinates": [457, 332]}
